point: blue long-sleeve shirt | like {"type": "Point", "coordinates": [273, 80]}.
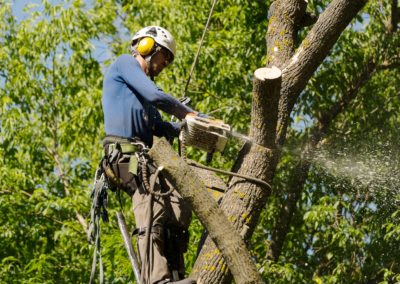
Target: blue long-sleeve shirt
{"type": "Point", "coordinates": [130, 100]}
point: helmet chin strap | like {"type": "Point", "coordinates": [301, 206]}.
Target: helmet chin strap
{"type": "Point", "coordinates": [148, 59]}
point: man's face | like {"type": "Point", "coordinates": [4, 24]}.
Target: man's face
{"type": "Point", "coordinates": [159, 61]}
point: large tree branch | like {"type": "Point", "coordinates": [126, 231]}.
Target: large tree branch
{"type": "Point", "coordinates": [286, 18]}
{"type": "Point", "coordinates": [214, 220]}
{"type": "Point", "coordinates": [312, 51]}
{"type": "Point", "coordinates": [266, 87]}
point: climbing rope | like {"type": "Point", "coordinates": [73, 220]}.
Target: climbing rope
{"type": "Point", "coordinates": [150, 187]}
{"type": "Point", "coordinates": [200, 45]}
{"type": "Point", "coordinates": [98, 210]}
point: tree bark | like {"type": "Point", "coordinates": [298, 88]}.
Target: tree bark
{"type": "Point", "coordinates": [243, 201]}
{"type": "Point", "coordinates": [192, 189]}
{"type": "Point", "coordinates": [284, 22]}
{"type": "Point", "coordinates": [215, 185]}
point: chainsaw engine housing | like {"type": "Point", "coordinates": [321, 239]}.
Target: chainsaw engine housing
{"type": "Point", "coordinates": [206, 134]}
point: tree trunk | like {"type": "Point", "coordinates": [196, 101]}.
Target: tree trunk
{"type": "Point", "coordinates": [243, 201]}
{"type": "Point", "coordinates": [192, 189]}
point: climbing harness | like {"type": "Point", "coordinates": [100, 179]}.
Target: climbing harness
{"type": "Point", "coordinates": [112, 175]}
{"type": "Point", "coordinates": [115, 170]}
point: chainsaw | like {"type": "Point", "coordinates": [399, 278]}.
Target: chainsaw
{"type": "Point", "coordinates": [207, 134]}
{"type": "Point", "coordinates": [210, 135]}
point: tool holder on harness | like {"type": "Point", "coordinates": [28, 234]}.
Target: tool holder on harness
{"type": "Point", "coordinates": [122, 162]}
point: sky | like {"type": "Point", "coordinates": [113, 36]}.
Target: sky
{"type": "Point", "coordinates": [18, 6]}
{"type": "Point", "coordinates": [100, 49]}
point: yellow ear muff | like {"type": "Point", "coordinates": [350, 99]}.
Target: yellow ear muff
{"type": "Point", "coordinates": [145, 46]}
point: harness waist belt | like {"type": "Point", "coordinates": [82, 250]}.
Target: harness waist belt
{"type": "Point", "coordinates": [125, 148]}
{"type": "Point", "coordinates": [128, 145]}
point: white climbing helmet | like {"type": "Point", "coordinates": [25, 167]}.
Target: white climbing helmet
{"type": "Point", "coordinates": [160, 35]}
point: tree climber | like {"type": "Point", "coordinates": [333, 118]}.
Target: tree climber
{"type": "Point", "coordinates": [130, 102]}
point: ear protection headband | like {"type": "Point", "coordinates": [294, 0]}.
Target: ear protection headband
{"type": "Point", "coordinates": [146, 46]}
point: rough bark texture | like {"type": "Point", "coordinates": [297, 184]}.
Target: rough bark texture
{"type": "Point", "coordinates": [283, 24]}
{"type": "Point", "coordinates": [215, 186]}
{"type": "Point", "coordinates": [243, 201]}
{"type": "Point", "coordinates": [192, 189]}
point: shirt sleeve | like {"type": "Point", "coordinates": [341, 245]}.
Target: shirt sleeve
{"type": "Point", "coordinates": [136, 79]}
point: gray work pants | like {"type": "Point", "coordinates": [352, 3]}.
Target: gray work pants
{"type": "Point", "coordinates": [171, 210]}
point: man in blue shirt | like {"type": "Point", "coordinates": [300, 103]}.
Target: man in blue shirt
{"type": "Point", "coordinates": [130, 102]}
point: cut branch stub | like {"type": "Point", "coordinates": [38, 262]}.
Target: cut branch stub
{"type": "Point", "coordinates": [264, 73]}
{"type": "Point", "coordinates": [266, 90]}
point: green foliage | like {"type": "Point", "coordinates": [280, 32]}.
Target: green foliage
{"type": "Point", "coordinates": [346, 228]}
{"type": "Point", "coordinates": [50, 131]}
